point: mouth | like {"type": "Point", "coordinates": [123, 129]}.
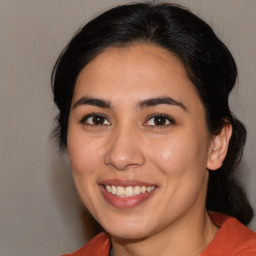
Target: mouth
{"type": "Point", "coordinates": [129, 191]}
{"type": "Point", "coordinates": [126, 194]}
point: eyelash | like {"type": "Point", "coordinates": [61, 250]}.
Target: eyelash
{"type": "Point", "coordinates": [87, 117]}
{"type": "Point", "coordinates": [165, 118]}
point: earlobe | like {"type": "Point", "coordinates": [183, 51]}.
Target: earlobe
{"type": "Point", "coordinates": [219, 147]}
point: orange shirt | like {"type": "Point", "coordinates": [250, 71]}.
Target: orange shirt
{"type": "Point", "coordinates": [233, 239]}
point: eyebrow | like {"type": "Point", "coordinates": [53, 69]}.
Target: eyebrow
{"type": "Point", "coordinates": [92, 102]}
{"type": "Point", "coordinates": [162, 100]}
{"type": "Point", "coordinates": [142, 104]}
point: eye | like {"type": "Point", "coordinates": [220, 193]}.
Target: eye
{"type": "Point", "coordinates": [159, 120]}
{"type": "Point", "coordinates": [95, 120]}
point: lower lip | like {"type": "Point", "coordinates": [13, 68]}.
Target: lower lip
{"type": "Point", "coordinates": [125, 202]}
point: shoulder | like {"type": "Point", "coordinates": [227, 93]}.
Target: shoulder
{"type": "Point", "coordinates": [233, 238]}
{"type": "Point", "coordinates": [246, 249]}
{"type": "Point", "coordinates": [98, 246]}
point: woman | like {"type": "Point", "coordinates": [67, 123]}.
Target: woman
{"type": "Point", "coordinates": [142, 92]}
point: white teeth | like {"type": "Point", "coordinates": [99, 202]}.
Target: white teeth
{"type": "Point", "coordinates": [120, 191]}
{"type": "Point", "coordinates": [113, 190]}
{"type": "Point", "coordinates": [143, 189]}
{"type": "Point", "coordinates": [128, 191]}
{"type": "Point", "coordinates": [137, 190]}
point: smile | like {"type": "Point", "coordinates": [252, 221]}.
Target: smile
{"type": "Point", "coordinates": [126, 193]}
{"type": "Point", "coordinates": [129, 191]}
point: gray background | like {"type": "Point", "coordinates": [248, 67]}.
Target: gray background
{"type": "Point", "coordinates": [40, 213]}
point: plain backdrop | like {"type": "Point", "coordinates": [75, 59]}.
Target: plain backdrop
{"type": "Point", "coordinates": [40, 213]}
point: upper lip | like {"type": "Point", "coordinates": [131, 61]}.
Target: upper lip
{"type": "Point", "coordinates": [125, 183]}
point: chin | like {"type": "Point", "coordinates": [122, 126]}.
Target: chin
{"type": "Point", "coordinates": [128, 229]}
{"type": "Point", "coordinates": [128, 234]}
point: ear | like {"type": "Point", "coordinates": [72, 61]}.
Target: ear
{"type": "Point", "coordinates": [219, 147]}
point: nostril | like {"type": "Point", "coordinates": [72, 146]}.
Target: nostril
{"type": "Point", "coordinates": [123, 159]}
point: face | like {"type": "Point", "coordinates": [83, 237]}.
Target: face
{"type": "Point", "coordinates": [138, 141]}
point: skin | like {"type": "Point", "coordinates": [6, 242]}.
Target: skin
{"type": "Point", "coordinates": [174, 156]}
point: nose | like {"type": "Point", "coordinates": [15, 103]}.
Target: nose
{"type": "Point", "coordinates": [124, 149]}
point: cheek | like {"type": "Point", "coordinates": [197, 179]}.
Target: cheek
{"type": "Point", "coordinates": [84, 154]}
{"type": "Point", "coordinates": [179, 153]}
{"type": "Point", "coordinates": [84, 157]}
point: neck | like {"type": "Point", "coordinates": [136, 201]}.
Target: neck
{"type": "Point", "coordinates": [188, 237]}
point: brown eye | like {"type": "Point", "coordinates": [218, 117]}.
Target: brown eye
{"type": "Point", "coordinates": [96, 120]}
{"type": "Point", "coordinates": [160, 120]}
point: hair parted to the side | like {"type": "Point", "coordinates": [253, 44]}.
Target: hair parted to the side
{"type": "Point", "coordinates": [208, 63]}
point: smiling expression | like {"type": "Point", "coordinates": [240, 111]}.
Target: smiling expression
{"type": "Point", "coordinates": [138, 141]}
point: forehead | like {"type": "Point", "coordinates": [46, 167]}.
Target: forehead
{"type": "Point", "coordinates": [136, 72]}
{"type": "Point", "coordinates": [134, 59]}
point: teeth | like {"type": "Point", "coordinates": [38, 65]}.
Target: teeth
{"type": "Point", "coordinates": [128, 191]}
{"type": "Point", "coordinates": [137, 190]}
{"type": "Point", "coordinates": [113, 190]}
{"type": "Point", "coordinates": [119, 191]}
